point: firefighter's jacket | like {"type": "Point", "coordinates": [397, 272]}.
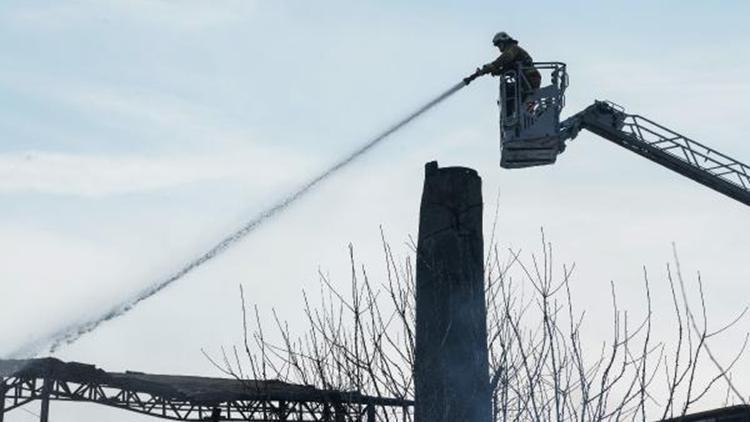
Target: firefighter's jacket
{"type": "Point", "coordinates": [510, 59]}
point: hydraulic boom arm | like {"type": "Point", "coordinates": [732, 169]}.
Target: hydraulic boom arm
{"type": "Point", "coordinates": [663, 146]}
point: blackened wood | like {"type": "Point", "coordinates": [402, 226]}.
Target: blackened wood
{"type": "Point", "coordinates": [451, 362]}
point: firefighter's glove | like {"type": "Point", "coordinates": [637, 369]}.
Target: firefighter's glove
{"type": "Point", "coordinates": [477, 73]}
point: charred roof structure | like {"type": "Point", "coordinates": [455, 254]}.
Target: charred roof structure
{"type": "Point", "coordinates": [740, 413]}
{"type": "Point", "coordinates": [177, 397]}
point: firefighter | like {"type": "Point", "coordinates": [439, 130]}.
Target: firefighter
{"type": "Point", "coordinates": [511, 56]}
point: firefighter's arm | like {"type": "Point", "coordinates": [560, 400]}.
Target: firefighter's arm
{"type": "Point", "coordinates": [501, 64]}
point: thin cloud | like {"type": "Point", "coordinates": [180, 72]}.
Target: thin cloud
{"type": "Point", "coordinates": [91, 175]}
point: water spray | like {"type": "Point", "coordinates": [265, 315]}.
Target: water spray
{"type": "Point", "coordinates": [73, 332]}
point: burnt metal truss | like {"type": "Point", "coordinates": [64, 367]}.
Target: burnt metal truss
{"type": "Point", "coordinates": [136, 393]}
{"type": "Point", "coordinates": [739, 413]}
{"type": "Point", "coordinates": [664, 146]}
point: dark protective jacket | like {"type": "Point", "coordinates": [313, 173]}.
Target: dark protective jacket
{"type": "Point", "coordinates": [510, 59]}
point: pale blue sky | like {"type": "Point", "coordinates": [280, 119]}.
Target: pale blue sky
{"type": "Point", "coordinates": [133, 133]}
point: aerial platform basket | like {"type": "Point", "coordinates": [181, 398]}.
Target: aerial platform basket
{"type": "Point", "coordinates": [531, 133]}
{"type": "Point", "coordinates": [530, 118]}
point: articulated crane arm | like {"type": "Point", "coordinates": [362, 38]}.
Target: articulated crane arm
{"type": "Point", "coordinates": [532, 134]}
{"type": "Point", "coordinates": [663, 146]}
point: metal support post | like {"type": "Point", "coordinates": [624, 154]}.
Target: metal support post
{"type": "Point", "coordinates": [283, 412]}
{"type": "Point", "coordinates": [339, 412]}
{"type": "Point", "coordinates": [46, 389]}
{"type": "Point", "coordinates": [370, 412]}
{"type": "Point", "coordinates": [2, 400]}
{"type": "Point", "coordinates": [327, 417]}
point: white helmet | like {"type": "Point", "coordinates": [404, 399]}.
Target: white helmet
{"type": "Point", "coordinates": [502, 38]}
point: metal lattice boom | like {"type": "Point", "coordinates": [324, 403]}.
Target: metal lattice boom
{"type": "Point", "coordinates": [664, 146]}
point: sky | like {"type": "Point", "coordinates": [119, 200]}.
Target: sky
{"type": "Point", "coordinates": [136, 133]}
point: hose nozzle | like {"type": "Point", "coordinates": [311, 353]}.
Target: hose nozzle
{"type": "Point", "coordinates": [477, 73]}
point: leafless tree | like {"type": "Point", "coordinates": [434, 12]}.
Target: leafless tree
{"type": "Point", "coordinates": [363, 340]}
